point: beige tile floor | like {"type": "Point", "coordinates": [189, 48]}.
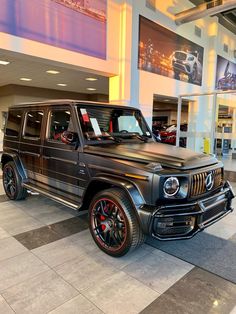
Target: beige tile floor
{"type": "Point", "coordinates": [72, 273]}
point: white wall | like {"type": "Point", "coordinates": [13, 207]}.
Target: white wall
{"type": "Point", "coordinates": [150, 83]}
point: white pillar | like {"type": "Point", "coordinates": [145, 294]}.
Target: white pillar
{"type": "Point", "coordinates": [120, 85]}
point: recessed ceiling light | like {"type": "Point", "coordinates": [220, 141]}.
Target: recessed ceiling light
{"type": "Point", "coordinates": [91, 79]}
{"type": "Point", "coordinates": [61, 84]}
{"type": "Point", "coordinates": [90, 88]}
{"type": "Point", "coordinates": [52, 72]}
{"type": "Point", "coordinates": [3, 62]}
{"type": "Point", "coordinates": [25, 79]}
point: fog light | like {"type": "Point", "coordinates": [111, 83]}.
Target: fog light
{"type": "Point", "coordinates": [171, 186]}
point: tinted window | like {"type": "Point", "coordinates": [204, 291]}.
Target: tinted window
{"type": "Point", "coordinates": [60, 121]}
{"type": "Point", "coordinates": [33, 124]}
{"type": "Point", "coordinates": [13, 123]}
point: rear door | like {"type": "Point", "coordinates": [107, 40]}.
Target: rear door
{"type": "Point", "coordinates": [31, 141]}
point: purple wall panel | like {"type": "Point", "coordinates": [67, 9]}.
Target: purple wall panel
{"type": "Point", "coordinates": [78, 25]}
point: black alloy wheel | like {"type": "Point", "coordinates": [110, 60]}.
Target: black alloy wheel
{"type": "Point", "coordinates": [12, 182]}
{"type": "Point", "coordinates": [113, 223]}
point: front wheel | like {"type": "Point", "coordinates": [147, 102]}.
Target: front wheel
{"type": "Point", "coordinates": [193, 76]}
{"type": "Point", "coordinates": [176, 75]}
{"type": "Point", "coordinates": [113, 223]}
{"type": "Point", "coordinates": [12, 182]}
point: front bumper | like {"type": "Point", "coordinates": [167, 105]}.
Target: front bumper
{"type": "Point", "coordinates": [183, 221]}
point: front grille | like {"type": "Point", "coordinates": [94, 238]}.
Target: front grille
{"type": "Point", "coordinates": [179, 67]}
{"type": "Point", "coordinates": [198, 184]}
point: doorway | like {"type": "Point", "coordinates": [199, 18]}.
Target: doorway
{"type": "Point", "coordinates": [164, 122]}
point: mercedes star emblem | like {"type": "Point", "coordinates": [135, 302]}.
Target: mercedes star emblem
{"type": "Point", "coordinates": [209, 181]}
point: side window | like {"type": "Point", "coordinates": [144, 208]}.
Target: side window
{"type": "Point", "coordinates": [60, 121]}
{"type": "Point", "coordinates": [33, 124]}
{"type": "Point", "coordinates": [13, 123]}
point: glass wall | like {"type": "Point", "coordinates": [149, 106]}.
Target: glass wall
{"type": "Point", "coordinates": [211, 126]}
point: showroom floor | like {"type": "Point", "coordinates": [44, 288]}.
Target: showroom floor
{"type": "Point", "coordinates": [49, 264]}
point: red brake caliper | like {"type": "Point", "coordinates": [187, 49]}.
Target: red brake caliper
{"type": "Point", "coordinates": [102, 219]}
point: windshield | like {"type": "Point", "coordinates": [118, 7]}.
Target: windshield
{"type": "Point", "coordinates": [180, 55]}
{"type": "Point", "coordinates": [104, 123]}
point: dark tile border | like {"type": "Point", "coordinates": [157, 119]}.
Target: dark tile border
{"type": "Point", "coordinates": [206, 251]}
{"type": "Point", "coordinates": [197, 292]}
{"type": "Point", "coordinates": [35, 238]}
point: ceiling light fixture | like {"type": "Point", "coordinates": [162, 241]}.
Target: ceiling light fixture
{"type": "Point", "coordinates": [61, 84]}
{"type": "Point", "coordinates": [25, 79]}
{"type": "Point", "coordinates": [52, 72]}
{"type": "Point", "coordinates": [3, 62]}
{"type": "Point", "coordinates": [90, 88]}
{"type": "Point", "coordinates": [91, 79]}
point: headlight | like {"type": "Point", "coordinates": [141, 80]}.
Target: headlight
{"type": "Point", "coordinates": [171, 186]}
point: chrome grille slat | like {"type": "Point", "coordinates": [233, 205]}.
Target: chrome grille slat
{"type": "Point", "coordinates": [197, 189]}
{"type": "Point", "coordinates": [198, 185]}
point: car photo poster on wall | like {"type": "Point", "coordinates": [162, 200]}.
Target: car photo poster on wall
{"type": "Point", "coordinates": [164, 52]}
{"type": "Point", "coordinates": [76, 25]}
{"type": "Point", "coordinates": [225, 74]}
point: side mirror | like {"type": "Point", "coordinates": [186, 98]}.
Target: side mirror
{"type": "Point", "coordinates": [70, 138]}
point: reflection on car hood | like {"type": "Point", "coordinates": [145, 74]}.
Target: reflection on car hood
{"type": "Point", "coordinates": [166, 155]}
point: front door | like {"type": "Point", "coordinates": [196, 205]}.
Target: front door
{"type": "Point", "coordinates": [61, 159]}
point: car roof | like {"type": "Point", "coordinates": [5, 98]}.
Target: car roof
{"type": "Point", "coordinates": [67, 102]}
{"type": "Point", "coordinates": [182, 51]}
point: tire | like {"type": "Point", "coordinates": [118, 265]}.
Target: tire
{"type": "Point", "coordinates": [193, 76]}
{"type": "Point", "coordinates": [113, 223]}
{"type": "Point", "coordinates": [12, 182]}
{"type": "Point", "coordinates": [176, 75]}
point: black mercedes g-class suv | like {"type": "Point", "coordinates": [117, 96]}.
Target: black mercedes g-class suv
{"type": "Point", "coordinates": [102, 158]}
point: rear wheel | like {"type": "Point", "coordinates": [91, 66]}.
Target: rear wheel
{"type": "Point", "coordinates": [12, 182]}
{"type": "Point", "coordinates": [113, 223]}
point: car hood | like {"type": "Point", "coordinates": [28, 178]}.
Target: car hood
{"type": "Point", "coordinates": [166, 155]}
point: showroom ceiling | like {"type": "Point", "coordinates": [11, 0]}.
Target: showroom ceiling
{"type": "Point", "coordinates": [226, 18]}
{"type": "Point", "coordinates": [34, 69]}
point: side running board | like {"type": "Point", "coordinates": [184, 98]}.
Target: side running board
{"type": "Point", "coordinates": [52, 196]}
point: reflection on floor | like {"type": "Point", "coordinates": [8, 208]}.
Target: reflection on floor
{"type": "Point", "coordinates": [229, 166]}
{"type": "Point", "coordinates": [51, 265]}
{"type": "Point", "coordinates": [229, 163]}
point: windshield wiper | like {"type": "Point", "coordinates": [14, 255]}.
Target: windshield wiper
{"type": "Point", "coordinates": [142, 138]}
{"type": "Point", "coordinates": [103, 137]}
